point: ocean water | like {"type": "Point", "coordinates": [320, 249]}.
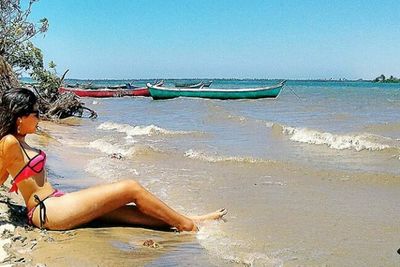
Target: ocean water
{"type": "Point", "coordinates": [309, 178]}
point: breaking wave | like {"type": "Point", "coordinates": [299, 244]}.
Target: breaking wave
{"type": "Point", "coordinates": [111, 149]}
{"type": "Point", "coordinates": [130, 130]}
{"type": "Point", "coordinates": [192, 154]}
{"type": "Point", "coordinates": [357, 142]}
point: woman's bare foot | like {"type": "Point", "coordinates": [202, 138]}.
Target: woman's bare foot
{"type": "Point", "coordinates": [193, 227]}
{"type": "Point", "coordinates": [216, 215]}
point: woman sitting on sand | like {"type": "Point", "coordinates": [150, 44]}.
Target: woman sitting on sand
{"type": "Point", "coordinates": [51, 209]}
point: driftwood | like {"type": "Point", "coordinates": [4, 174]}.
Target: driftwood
{"type": "Point", "coordinates": [55, 106]}
{"type": "Point", "coordinates": [52, 104]}
{"type": "Point", "coordinates": [65, 105]}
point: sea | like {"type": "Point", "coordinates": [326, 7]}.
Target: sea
{"type": "Point", "coordinates": [311, 178]}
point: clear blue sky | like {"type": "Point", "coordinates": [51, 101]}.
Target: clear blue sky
{"type": "Point", "coordinates": [292, 39]}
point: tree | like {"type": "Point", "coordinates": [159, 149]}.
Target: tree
{"type": "Point", "coordinates": [18, 54]}
{"type": "Point", "coordinates": [7, 77]}
{"type": "Point", "coordinates": [381, 78]}
{"type": "Point", "coordinates": [15, 35]}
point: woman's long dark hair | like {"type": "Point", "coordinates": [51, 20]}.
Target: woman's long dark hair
{"type": "Point", "coordinates": [15, 103]}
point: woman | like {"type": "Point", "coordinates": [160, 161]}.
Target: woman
{"type": "Point", "coordinates": [51, 209]}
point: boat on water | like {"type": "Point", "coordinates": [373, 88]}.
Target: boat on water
{"type": "Point", "coordinates": [207, 84]}
{"type": "Point", "coordinates": [90, 86]}
{"type": "Point", "coordinates": [159, 92]}
{"type": "Point", "coordinates": [143, 91]}
{"type": "Point", "coordinates": [189, 85]}
{"type": "Point", "coordinates": [109, 91]}
{"type": "Point", "coordinates": [193, 85]}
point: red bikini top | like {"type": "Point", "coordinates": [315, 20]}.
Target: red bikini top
{"type": "Point", "coordinates": [34, 166]}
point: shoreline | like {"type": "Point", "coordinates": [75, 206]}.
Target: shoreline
{"type": "Point", "coordinates": [119, 245]}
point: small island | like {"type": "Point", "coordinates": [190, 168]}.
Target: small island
{"type": "Point", "coordinates": [383, 79]}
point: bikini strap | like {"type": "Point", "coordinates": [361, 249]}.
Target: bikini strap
{"type": "Point", "coordinates": [14, 184]}
{"type": "Point", "coordinates": [23, 149]}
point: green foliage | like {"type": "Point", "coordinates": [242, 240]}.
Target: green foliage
{"type": "Point", "coordinates": [382, 79]}
{"type": "Point", "coordinates": [48, 81]}
{"type": "Point", "coordinates": [27, 58]}
{"type": "Point", "coordinates": [15, 33]}
{"type": "Point", "coordinates": [18, 54]}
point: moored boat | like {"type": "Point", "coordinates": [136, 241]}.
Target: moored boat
{"type": "Point", "coordinates": [189, 85]}
{"type": "Point", "coordinates": [118, 87]}
{"type": "Point", "coordinates": [193, 85]}
{"type": "Point", "coordinates": [143, 91]}
{"type": "Point", "coordinates": [159, 83]}
{"type": "Point", "coordinates": [158, 92]}
{"type": "Point", "coordinates": [207, 84]}
{"type": "Point", "coordinates": [131, 86]}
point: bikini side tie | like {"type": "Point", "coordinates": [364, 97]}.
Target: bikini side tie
{"type": "Point", "coordinates": [42, 210]}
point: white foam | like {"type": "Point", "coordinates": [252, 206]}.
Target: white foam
{"type": "Point", "coordinates": [356, 142]}
{"type": "Point", "coordinates": [72, 142]}
{"type": "Point", "coordinates": [110, 149]}
{"type": "Point", "coordinates": [108, 170]}
{"type": "Point", "coordinates": [130, 130]}
{"type": "Point", "coordinates": [192, 154]}
{"type": "Point", "coordinates": [269, 124]}
{"type": "Point", "coordinates": [219, 244]}
{"type": "Point", "coordinates": [133, 150]}
{"type": "Point", "coordinates": [239, 118]}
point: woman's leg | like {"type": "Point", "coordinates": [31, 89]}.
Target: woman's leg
{"type": "Point", "coordinates": [131, 215]}
{"type": "Point", "coordinates": [80, 207]}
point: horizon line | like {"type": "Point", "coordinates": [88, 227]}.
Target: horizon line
{"type": "Point", "coordinates": [208, 78]}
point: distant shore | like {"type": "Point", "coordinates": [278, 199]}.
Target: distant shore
{"type": "Point", "coordinates": [29, 80]}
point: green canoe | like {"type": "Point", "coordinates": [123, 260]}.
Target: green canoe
{"type": "Point", "coordinates": [273, 91]}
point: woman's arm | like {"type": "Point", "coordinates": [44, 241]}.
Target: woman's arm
{"type": "Point", "coordinates": [3, 170]}
{"type": "Point", "coordinates": [13, 159]}
{"type": "Point", "coordinates": [3, 174]}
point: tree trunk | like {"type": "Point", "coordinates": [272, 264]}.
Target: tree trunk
{"type": "Point", "coordinates": [7, 76]}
